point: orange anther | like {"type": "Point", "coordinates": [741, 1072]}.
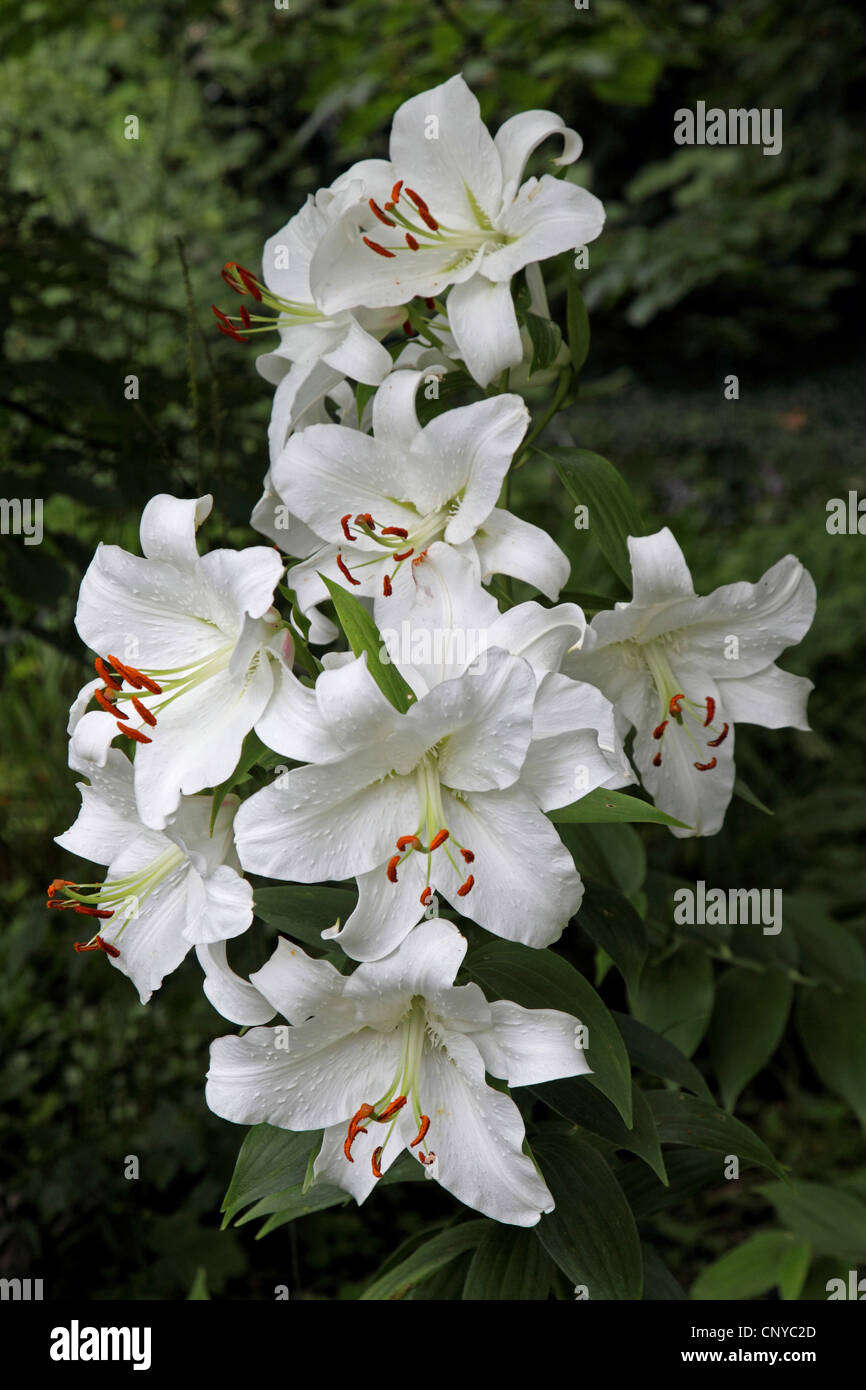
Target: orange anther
{"type": "Point", "coordinates": [711, 709]}
{"type": "Point", "coordinates": [391, 870]}
{"type": "Point", "coordinates": [465, 887]}
{"type": "Point", "coordinates": [706, 767]}
{"type": "Point", "coordinates": [143, 711]}
{"type": "Point", "coordinates": [344, 570]}
{"type": "Point", "coordinates": [380, 250]}
{"type": "Point", "coordinates": [425, 1125]}
{"type": "Point", "coordinates": [714, 742]}
{"type": "Point", "coordinates": [439, 839]}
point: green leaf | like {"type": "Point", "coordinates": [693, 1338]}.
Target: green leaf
{"type": "Point", "coordinates": [253, 749]}
{"type": "Point", "coordinates": [750, 1269]}
{"type": "Point", "coordinates": [688, 1174]}
{"type": "Point", "coordinates": [304, 910]}
{"type": "Point", "coordinates": [364, 636]}
{"type": "Point", "coordinates": [833, 1222]}
{"type": "Point", "coordinates": [269, 1161]}
{"type": "Point", "coordinates": [293, 1202]}
{"type": "Point", "coordinates": [612, 923]}
{"type": "Point", "coordinates": [793, 1269]}
{"type": "Point", "coordinates": [614, 853]}
{"type": "Point", "coordinates": [546, 342]}
{"type": "Point", "coordinates": [745, 793]}
{"type": "Point", "coordinates": [675, 996]}
{"type": "Point", "coordinates": [543, 980]}
{"type": "Point", "coordinates": [658, 1282]}
{"type": "Point", "coordinates": [600, 806]}
{"type": "Point", "coordinates": [363, 393]}
{"type": "Point", "coordinates": [686, 1120]}
{"type": "Point", "coordinates": [832, 1025]}
{"type": "Point", "coordinates": [594, 483]}
{"type": "Point", "coordinates": [591, 1233]}
{"type": "Point", "coordinates": [425, 1260]}
{"type": "Point", "coordinates": [577, 322]}
{"type": "Point", "coordinates": [577, 1100]}
{"type": "Point", "coordinates": [659, 1056]}
{"type": "Point", "coordinates": [198, 1289]}
{"type": "Point", "coordinates": [509, 1264]}
{"type": "Point", "coordinates": [749, 1017]}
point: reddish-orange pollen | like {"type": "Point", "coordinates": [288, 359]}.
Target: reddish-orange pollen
{"type": "Point", "coordinates": [439, 839]}
{"type": "Point", "coordinates": [657, 760]}
{"type": "Point", "coordinates": [411, 242]}
{"type": "Point", "coordinates": [396, 531]}
{"type": "Point", "coordinates": [405, 840]}
{"type": "Point", "coordinates": [706, 767]}
{"type": "Point", "coordinates": [356, 1128]}
{"type": "Point", "coordinates": [660, 728]}
{"type": "Point", "coordinates": [711, 710]}
{"type": "Point", "coordinates": [425, 896]}
{"type": "Point", "coordinates": [425, 1125]}
{"type": "Point", "coordinates": [143, 711]}
{"type": "Point", "coordinates": [423, 210]}
{"type": "Point", "coordinates": [377, 1154]}
{"type": "Point", "coordinates": [386, 586]}
{"type": "Point", "coordinates": [674, 705]}
{"type": "Point", "coordinates": [377, 211]}
{"type": "Point", "coordinates": [380, 250]}
{"type": "Point", "coordinates": [466, 887]}
{"type": "Point", "coordinates": [344, 522]}
{"type": "Point", "coordinates": [391, 870]}
{"type": "Point", "coordinates": [344, 570]}
{"type": "Point", "coordinates": [468, 856]}
{"type": "Point", "coordinates": [714, 742]}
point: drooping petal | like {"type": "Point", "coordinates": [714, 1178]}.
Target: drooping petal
{"type": "Point", "coordinates": [517, 138]}
{"type": "Point", "coordinates": [307, 1077]}
{"type": "Point", "coordinates": [108, 818]}
{"type": "Point", "coordinates": [548, 216]}
{"type": "Point", "coordinates": [385, 912]}
{"type": "Point", "coordinates": [425, 962]}
{"type": "Point", "coordinates": [234, 998]}
{"type": "Point", "coordinates": [296, 984]}
{"type": "Point", "coordinates": [529, 1046]}
{"type": "Point", "coordinates": [473, 447]}
{"type": "Point", "coordinates": [764, 618]}
{"type": "Point", "coordinates": [526, 886]}
{"type": "Point", "coordinates": [197, 741]}
{"type": "Point", "coordinates": [488, 717]}
{"type": "Point", "coordinates": [542, 636]}
{"type": "Point", "coordinates": [507, 544]}
{"type": "Point", "coordinates": [658, 569]}
{"type": "Point", "coordinates": [292, 722]}
{"type": "Point", "coordinates": [219, 906]}
{"type": "Point", "coordinates": [772, 698]}
{"type": "Point", "coordinates": [357, 354]}
{"type": "Point", "coordinates": [484, 324]}
{"type": "Point", "coordinates": [477, 1134]}
{"type": "Point", "coordinates": [168, 527]}
{"type": "Point", "coordinates": [332, 821]}
{"type": "Point", "coordinates": [353, 707]}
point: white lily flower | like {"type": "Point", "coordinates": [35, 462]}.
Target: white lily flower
{"type": "Point", "coordinates": [394, 1057]}
{"type": "Point", "coordinates": [195, 638]}
{"type": "Point", "coordinates": [682, 670]}
{"type": "Point", "coordinates": [345, 341]}
{"type": "Point", "coordinates": [450, 208]}
{"type": "Point", "coordinates": [447, 798]}
{"type": "Point", "coordinates": [164, 891]}
{"type": "Point", "coordinates": [378, 502]}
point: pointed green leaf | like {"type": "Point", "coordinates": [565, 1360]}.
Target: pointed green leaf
{"type": "Point", "coordinates": [686, 1120]}
{"type": "Point", "coordinates": [364, 636]}
{"type": "Point", "coordinates": [599, 806]}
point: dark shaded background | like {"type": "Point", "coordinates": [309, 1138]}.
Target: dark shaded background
{"type": "Point", "coordinates": [714, 261]}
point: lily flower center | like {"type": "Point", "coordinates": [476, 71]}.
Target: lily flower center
{"type": "Point", "coordinates": [127, 691]}
{"type": "Point", "coordinates": [290, 312]}
{"type": "Point", "coordinates": [412, 225]}
{"type": "Point", "coordinates": [120, 898]}
{"type": "Point", "coordinates": [396, 543]}
{"type": "Point", "coordinates": [694, 717]}
{"type": "Point", "coordinates": [403, 1090]}
{"type": "Point", "coordinates": [431, 825]}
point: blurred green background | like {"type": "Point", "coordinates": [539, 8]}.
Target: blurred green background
{"type": "Point", "coordinates": [714, 261]}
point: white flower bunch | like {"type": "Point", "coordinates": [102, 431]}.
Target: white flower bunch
{"type": "Point", "coordinates": [423, 764]}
